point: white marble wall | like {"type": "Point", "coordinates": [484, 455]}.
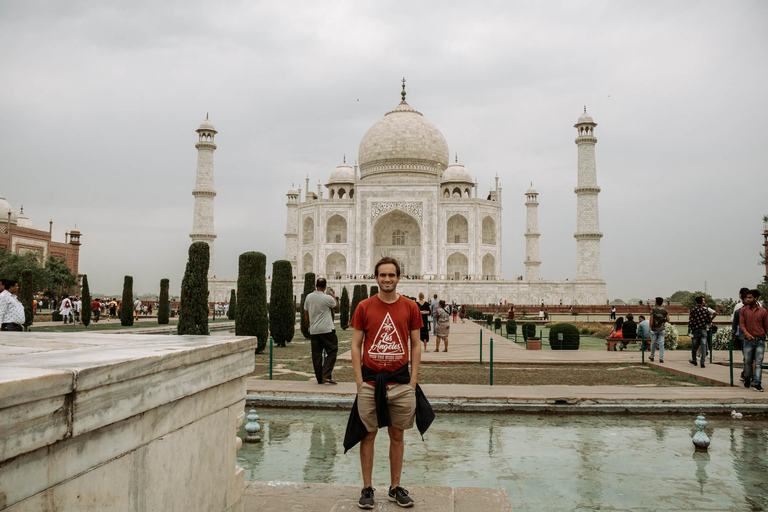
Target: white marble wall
{"type": "Point", "coordinates": [104, 422]}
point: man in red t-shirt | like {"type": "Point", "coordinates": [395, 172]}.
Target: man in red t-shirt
{"type": "Point", "coordinates": [385, 339]}
{"type": "Point", "coordinates": [96, 309]}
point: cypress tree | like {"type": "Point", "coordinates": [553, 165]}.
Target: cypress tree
{"type": "Point", "coordinates": [363, 292]}
{"type": "Point", "coordinates": [309, 287]}
{"type": "Point", "coordinates": [85, 314]}
{"type": "Point", "coordinates": [356, 298]}
{"type": "Point", "coordinates": [163, 309]}
{"type": "Point", "coordinates": [194, 291]}
{"type": "Point", "coordinates": [126, 307]}
{"type": "Point", "coordinates": [344, 309]}
{"type": "Point", "coordinates": [232, 305]}
{"type": "Point", "coordinates": [374, 290]}
{"type": "Point", "coordinates": [250, 304]}
{"type": "Point", "coordinates": [282, 308]}
{"type": "Point", "coordinates": [27, 296]}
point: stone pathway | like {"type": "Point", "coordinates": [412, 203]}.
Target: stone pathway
{"type": "Point", "coordinates": [288, 496]}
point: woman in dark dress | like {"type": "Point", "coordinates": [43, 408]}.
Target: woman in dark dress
{"type": "Point", "coordinates": [425, 320]}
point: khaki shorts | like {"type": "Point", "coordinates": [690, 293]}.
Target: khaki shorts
{"type": "Point", "coordinates": [402, 406]}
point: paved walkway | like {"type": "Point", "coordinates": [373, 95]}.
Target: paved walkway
{"type": "Point", "coordinates": [289, 497]}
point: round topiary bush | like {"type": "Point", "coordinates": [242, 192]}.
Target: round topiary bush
{"type": "Point", "coordinates": [497, 323]}
{"type": "Point", "coordinates": [570, 339]}
{"type": "Point", "coordinates": [529, 330]}
{"type": "Point", "coordinates": [489, 319]}
{"type": "Point", "coordinates": [722, 338]}
{"type": "Point", "coordinates": [670, 336]}
{"type": "Point", "coordinates": [511, 326]}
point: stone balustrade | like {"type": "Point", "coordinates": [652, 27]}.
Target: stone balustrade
{"type": "Point", "coordinates": [121, 422]}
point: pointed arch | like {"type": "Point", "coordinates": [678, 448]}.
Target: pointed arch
{"type": "Point", "coordinates": [335, 265]}
{"type": "Point", "coordinates": [336, 230]}
{"type": "Point", "coordinates": [308, 230]}
{"type": "Point", "coordinates": [489, 266]}
{"type": "Point", "coordinates": [457, 230]}
{"type": "Point", "coordinates": [308, 263]}
{"type": "Point", "coordinates": [489, 231]}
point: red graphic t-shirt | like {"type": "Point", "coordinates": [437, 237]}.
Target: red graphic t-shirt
{"type": "Point", "coordinates": [387, 328]}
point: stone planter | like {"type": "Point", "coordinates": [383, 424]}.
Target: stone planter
{"type": "Point", "coordinates": [533, 344]}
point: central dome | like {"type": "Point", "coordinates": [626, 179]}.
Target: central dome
{"type": "Point", "coordinates": [403, 142]}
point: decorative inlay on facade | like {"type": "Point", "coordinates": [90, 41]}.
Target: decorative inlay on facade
{"type": "Point", "coordinates": [378, 209]}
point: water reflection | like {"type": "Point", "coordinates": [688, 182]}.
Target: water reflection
{"type": "Point", "coordinates": [545, 462]}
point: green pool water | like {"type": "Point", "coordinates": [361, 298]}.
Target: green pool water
{"type": "Point", "coordinates": [544, 462]}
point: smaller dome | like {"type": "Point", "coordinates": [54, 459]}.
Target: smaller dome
{"type": "Point", "coordinates": [456, 173]}
{"type": "Point", "coordinates": [531, 190]}
{"type": "Point", "coordinates": [23, 221]}
{"type": "Point", "coordinates": [207, 125]}
{"type": "Point", "coordinates": [585, 118]}
{"type": "Point", "coordinates": [342, 174]}
{"type": "Point", "coordinates": [5, 207]}
{"type": "Point", "coordinates": [293, 191]}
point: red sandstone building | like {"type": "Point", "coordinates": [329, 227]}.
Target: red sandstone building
{"type": "Point", "coordinates": [19, 235]}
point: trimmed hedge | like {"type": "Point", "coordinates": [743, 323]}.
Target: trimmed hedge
{"type": "Point", "coordinates": [356, 299]}
{"type": "Point", "coordinates": [529, 330]}
{"type": "Point", "coordinates": [27, 295]}
{"type": "Point", "coordinates": [251, 299]}
{"type": "Point", "coordinates": [497, 323]}
{"type": "Point", "coordinates": [344, 309]}
{"type": "Point", "coordinates": [194, 291]}
{"type": "Point", "coordinates": [511, 326]}
{"type": "Point", "coordinates": [570, 337]}
{"type": "Point", "coordinates": [126, 306]}
{"type": "Point", "coordinates": [163, 307]}
{"type": "Point", "coordinates": [309, 287]}
{"type": "Point", "coordinates": [85, 314]}
{"type": "Point", "coordinates": [282, 316]}
{"type": "Point", "coordinates": [232, 304]}
{"type": "Point", "coordinates": [374, 291]}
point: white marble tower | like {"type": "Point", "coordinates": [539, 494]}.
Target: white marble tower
{"type": "Point", "coordinates": [532, 261]}
{"type": "Point", "coordinates": [588, 233]}
{"type": "Point", "coordinates": [202, 223]}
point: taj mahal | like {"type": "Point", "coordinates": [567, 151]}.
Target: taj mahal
{"type": "Point", "coordinates": [408, 199]}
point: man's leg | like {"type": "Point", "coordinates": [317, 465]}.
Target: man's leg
{"type": "Point", "coordinates": [396, 450]}
{"type": "Point", "coordinates": [759, 353]}
{"type": "Point", "coordinates": [654, 337]}
{"type": "Point", "coordinates": [704, 347]}
{"type": "Point", "coordinates": [331, 345]}
{"type": "Point", "coordinates": [434, 325]}
{"type": "Point", "coordinates": [366, 457]}
{"type": "Point", "coordinates": [749, 357]}
{"type": "Point", "coordinates": [661, 344]}
{"type": "Point", "coordinates": [317, 357]}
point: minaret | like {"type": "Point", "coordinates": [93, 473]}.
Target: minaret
{"type": "Point", "coordinates": [292, 227]}
{"type": "Point", "coordinates": [532, 262]}
{"type": "Point", "coordinates": [202, 223]}
{"type": "Point", "coordinates": [588, 233]}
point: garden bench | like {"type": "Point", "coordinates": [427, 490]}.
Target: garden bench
{"type": "Point", "coordinates": [612, 342]}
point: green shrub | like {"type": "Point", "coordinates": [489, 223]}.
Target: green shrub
{"type": "Point", "coordinates": [344, 309]}
{"type": "Point", "coordinates": [722, 339]}
{"type": "Point", "coordinates": [282, 319]}
{"type": "Point", "coordinates": [497, 323]}
{"type": "Point", "coordinates": [56, 316]}
{"type": "Point", "coordinates": [194, 291]}
{"type": "Point", "coordinates": [251, 299]}
{"type": "Point", "coordinates": [511, 326]}
{"type": "Point", "coordinates": [374, 290]}
{"type": "Point", "coordinates": [27, 295]}
{"type": "Point", "coordinates": [489, 319]}
{"type": "Point", "coordinates": [232, 304]}
{"type": "Point", "coordinates": [570, 337]}
{"type": "Point", "coordinates": [356, 299]}
{"type": "Point", "coordinates": [85, 313]}
{"type": "Point", "coordinates": [126, 307]}
{"type": "Point", "coordinates": [528, 330]}
{"type": "Point", "coordinates": [163, 305]}
{"type": "Point", "coordinates": [684, 343]}
{"type": "Point", "coordinates": [309, 287]}
{"type": "Point", "coordinates": [670, 336]}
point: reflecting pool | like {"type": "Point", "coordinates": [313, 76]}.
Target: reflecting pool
{"type": "Point", "coordinates": [545, 462]}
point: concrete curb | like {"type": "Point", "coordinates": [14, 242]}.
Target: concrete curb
{"type": "Point", "coordinates": [568, 405]}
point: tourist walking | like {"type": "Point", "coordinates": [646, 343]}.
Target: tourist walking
{"type": "Point", "coordinates": [137, 308]}
{"type": "Point", "coordinates": [443, 326]}
{"type": "Point", "coordinates": [659, 318]}
{"type": "Point", "coordinates": [736, 335]}
{"type": "Point", "coordinates": [12, 316]}
{"type": "Point", "coordinates": [386, 336]}
{"type": "Point", "coordinates": [112, 309]}
{"type": "Point", "coordinates": [425, 315]}
{"type": "Point", "coordinates": [322, 333]}
{"type": "Point", "coordinates": [77, 307]}
{"type": "Point", "coordinates": [753, 322]}
{"type": "Point", "coordinates": [454, 312]}
{"type": "Point", "coordinates": [698, 323]}
{"type": "Point", "coordinates": [433, 309]}
{"type": "Point", "coordinates": [613, 312]}
{"type": "Point", "coordinates": [66, 309]}
{"type": "Point", "coordinates": [511, 312]}
{"type": "Point", "coordinates": [96, 309]}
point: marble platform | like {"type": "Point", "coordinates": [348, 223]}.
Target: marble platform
{"type": "Point", "coordinates": [121, 422]}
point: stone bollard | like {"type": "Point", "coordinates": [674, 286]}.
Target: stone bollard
{"type": "Point", "coordinates": [700, 439]}
{"type": "Point", "coordinates": [252, 427]}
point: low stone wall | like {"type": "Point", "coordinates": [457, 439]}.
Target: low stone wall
{"type": "Point", "coordinates": [121, 422]}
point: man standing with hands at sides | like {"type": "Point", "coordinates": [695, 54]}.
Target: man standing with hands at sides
{"type": "Point", "coordinates": [385, 338]}
{"type": "Point", "coordinates": [317, 313]}
{"type": "Point", "coordinates": [659, 318]}
{"type": "Point", "coordinates": [433, 310]}
{"type": "Point", "coordinates": [753, 323]}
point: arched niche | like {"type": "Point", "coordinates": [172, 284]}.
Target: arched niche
{"type": "Point", "coordinates": [308, 229]}
{"type": "Point", "coordinates": [308, 263]}
{"type": "Point", "coordinates": [458, 265]}
{"type": "Point", "coordinates": [398, 235]}
{"type": "Point", "coordinates": [457, 231]}
{"type": "Point", "coordinates": [336, 230]}
{"type": "Point", "coordinates": [489, 231]}
{"type": "Point", "coordinates": [335, 265]}
{"type": "Point", "coordinates": [489, 266]}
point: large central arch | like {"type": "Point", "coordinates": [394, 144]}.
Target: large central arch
{"type": "Point", "coordinates": [398, 235]}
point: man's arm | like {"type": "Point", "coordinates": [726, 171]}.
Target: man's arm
{"type": "Point", "coordinates": [415, 356]}
{"type": "Point", "coordinates": [306, 317]}
{"type": "Point", "coordinates": [743, 322]}
{"type": "Point", "coordinates": [357, 360]}
{"type": "Point", "coordinates": [335, 300]}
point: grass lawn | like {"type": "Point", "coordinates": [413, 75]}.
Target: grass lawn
{"type": "Point", "coordinates": [294, 363]}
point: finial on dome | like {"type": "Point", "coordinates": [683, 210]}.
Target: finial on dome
{"type": "Point", "coordinates": [345, 158]}
{"type": "Point", "coordinates": [457, 158]}
{"type": "Point", "coordinates": [585, 109]}
{"type": "Point", "coordinates": [403, 93]}
{"type": "Point", "coordinates": [22, 209]}
{"type": "Point", "coordinates": [206, 116]}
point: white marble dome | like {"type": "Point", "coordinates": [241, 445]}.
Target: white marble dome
{"type": "Point", "coordinates": [456, 173]}
{"type": "Point", "coordinates": [207, 125]}
{"type": "Point", "coordinates": [585, 118]}
{"type": "Point", "coordinates": [342, 174]}
{"type": "Point", "coordinates": [402, 141]}
{"type": "Point", "coordinates": [5, 207]}
{"type": "Point", "coordinates": [23, 221]}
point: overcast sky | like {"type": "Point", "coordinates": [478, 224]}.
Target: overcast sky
{"type": "Point", "coordinates": [100, 101]}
